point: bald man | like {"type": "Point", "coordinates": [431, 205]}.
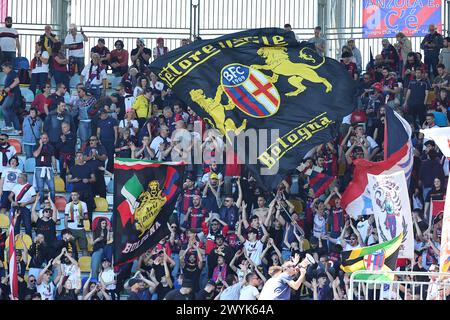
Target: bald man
{"type": "Point", "coordinates": [432, 45]}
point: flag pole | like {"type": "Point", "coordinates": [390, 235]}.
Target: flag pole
{"type": "Point", "coordinates": [445, 234]}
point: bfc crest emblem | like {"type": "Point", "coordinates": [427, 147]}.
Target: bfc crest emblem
{"type": "Point", "coordinates": [375, 260]}
{"type": "Point", "coordinates": [250, 90]}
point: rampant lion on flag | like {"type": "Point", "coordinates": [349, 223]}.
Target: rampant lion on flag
{"type": "Point", "coordinates": [278, 62]}
{"type": "Point", "coordinates": [150, 203]}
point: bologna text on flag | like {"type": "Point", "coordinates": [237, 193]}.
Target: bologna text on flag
{"type": "Point", "coordinates": [411, 17]}
{"type": "Point", "coordinates": [398, 156]}
{"type": "Point", "coordinates": [379, 257]}
{"type": "Point", "coordinates": [145, 194]}
{"type": "Point", "coordinates": [392, 210]}
{"type": "Point", "coordinates": [264, 87]}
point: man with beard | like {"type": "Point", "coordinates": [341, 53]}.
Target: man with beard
{"type": "Point", "coordinates": [53, 122]}
{"type": "Point", "coordinates": [195, 215]}
{"type": "Point", "coordinates": [9, 42]}
{"type": "Point", "coordinates": [221, 249]}
{"type": "Point", "coordinates": [95, 157]}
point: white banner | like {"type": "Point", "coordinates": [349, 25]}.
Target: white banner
{"type": "Point", "coordinates": [392, 210]}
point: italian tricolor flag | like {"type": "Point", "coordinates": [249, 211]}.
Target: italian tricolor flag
{"type": "Point", "coordinates": [131, 190]}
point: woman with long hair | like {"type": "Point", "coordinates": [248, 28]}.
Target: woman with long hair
{"type": "Point", "coordinates": [142, 84]}
{"type": "Point", "coordinates": [39, 68]}
{"type": "Point", "coordinates": [99, 236]}
{"type": "Point", "coordinates": [59, 64]}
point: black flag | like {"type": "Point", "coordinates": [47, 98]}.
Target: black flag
{"type": "Point", "coordinates": [252, 83]}
{"type": "Point", "coordinates": [145, 194]}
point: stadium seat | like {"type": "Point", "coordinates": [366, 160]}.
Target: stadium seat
{"type": "Point", "coordinates": [30, 165]}
{"type": "Point", "coordinates": [84, 263]}
{"type": "Point", "coordinates": [2, 78]}
{"type": "Point", "coordinates": [4, 221]}
{"type": "Point", "coordinates": [16, 144]}
{"type": "Point", "coordinates": [26, 239]}
{"type": "Point", "coordinates": [101, 204]}
{"type": "Point", "coordinates": [59, 185]}
{"type": "Point", "coordinates": [27, 94]}
{"type": "Point", "coordinates": [60, 203]}
{"type": "Point", "coordinates": [21, 165]}
{"type": "Point", "coordinates": [74, 81]}
{"type": "Point", "coordinates": [87, 225]}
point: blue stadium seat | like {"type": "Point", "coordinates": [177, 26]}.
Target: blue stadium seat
{"type": "Point", "coordinates": [30, 164]}
{"type": "Point", "coordinates": [27, 94]}
{"type": "Point", "coordinates": [21, 63]}
{"type": "Point", "coordinates": [74, 81]}
{"type": "Point", "coordinates": [2, 78]}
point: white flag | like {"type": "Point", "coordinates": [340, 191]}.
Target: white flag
{"type": "Point", "coordinates": [441, 136]}
{"type": "Point", "coordinates": [392, 211]}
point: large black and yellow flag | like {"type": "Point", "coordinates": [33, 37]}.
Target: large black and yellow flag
{"type": "Point", "coordinates": [145, 193]}
{"type": "Point", "coordinates": [261, 79]}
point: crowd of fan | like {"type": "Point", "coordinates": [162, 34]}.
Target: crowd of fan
{"type": "Point", "coordinates": [227, 236]}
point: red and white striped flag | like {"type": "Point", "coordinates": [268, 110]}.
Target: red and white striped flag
{"type": "Point", "coordinates": [3, 9]}
{"type": "Point", "coordinates": [13, 281]}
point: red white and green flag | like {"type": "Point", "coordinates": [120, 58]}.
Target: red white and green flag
{"type": "Point", "coordinates": [145, 196]}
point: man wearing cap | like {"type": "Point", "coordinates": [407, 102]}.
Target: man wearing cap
{"type": "Point", "coordinates": [211, 229]}
{"type": "Point", "coordinates": [102, 51]}
{"type": "Point", "coordinates": [9, 42]}
{"type": "Point", "coordinates": [134, 284]}
{"type": "Point", "coordinates": [140, 56]}
{"type": "Point", "coordinates": [74, 42]}
{"type": "Point", "coordinates": [184, 293]}
{"type": "Point", "coordinates": [160, 49]}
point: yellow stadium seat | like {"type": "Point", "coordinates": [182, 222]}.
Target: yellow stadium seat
{"type": "Point", "coordinates": [59, 185]}
{"type": "Point", "coordinates": [84, 263]}
{"type": "Point", "coordinates": [4, 221]}
{"type": "Point", "coordinates": [298, 205]}
{"type": "Point", "coordinates": [101, 204]}
{"type": "Point", "coordinates": [431, 97]}
{"type": "Point", "coordinates": [87, 225]}
{"type": "Point", "coordinates": [306, 245]}
{"type": "Point", "coordinates": [90, 246]}
{"type": "Point", "coordinates": [26, 238]}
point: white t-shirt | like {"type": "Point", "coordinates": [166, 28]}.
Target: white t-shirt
{"type": "Point", "coordinates": [248, 293]}
{"type": "Point", "coordinates": [363, 227]}
{"type": "Point", "coordinates": [137, 91]}
{"type": "Point", "coordinates": [43, 68]}
{"type": "Point", "coordinates": [232, 292]}
{"type": "Point", "coordinates": [27, 196]}
{"type": "Point", "coordinates": [108, 276]}
{"type": "Point", "coordinates": [134, 124]}
{"type": "Point", "coordinates": [155, 145]}
{"type": "Point", "coordinates": [8, 39]}
{"type": "Point", "coordinates": [129, 100]}
{"type": "Point", "coordinates": [372, 143]}
{"type": "Point", "coordinates": [254, 251]}
{"type": "Point", "coordinates": [94, 81]}
{"type": "Point", "coordinates": [79, 40]}
{"type": "Point", "coordinates": [47, 291]}
{"type": "Point", "coordinates": [10, 176]}
{"type": "Point", "coordinates": [73, 223]}
{"type": "Point", "coordinates": [319, 225]}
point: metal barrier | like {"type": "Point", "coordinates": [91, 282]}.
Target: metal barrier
{"type": "Point", "coordinates": [407, 285]}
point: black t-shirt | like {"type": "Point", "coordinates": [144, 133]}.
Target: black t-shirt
{"type": "Point", "coordinates": [175, 294]}
{"type": "Point", "coordinates": [162, 291]}
{"type": "Point", "coordinates": [435, 195]}
{"type": "Point", "coordinates": [193, 273]}
{"type": "Point", "coordinates": [146, 51]}
{"type": "Point", "coordinates": [204, 295]}
{"type": "Point", "coordinates": [95, 163]}
{"type": "Point", "coordinates": [277, 236]}
{"type": "Point", "coordinates": [45, 156]}
{"type": "Point", "coordinates": [67, 295]}
{"type": "Point", "coordinates": [47, 229]}
{"type": "Point", "coordinates": [40, 255]}
{"type": "Point", "coordinates": [83, 171]}
{"type": "Point", "coordinates": [418, 88]}
{"type": "Point", "coordinates": [123, 153]}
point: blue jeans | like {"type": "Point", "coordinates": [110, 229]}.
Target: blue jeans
{"type": "Point", "coordinates": [62, 77]}
{"type": "Point", "coordinates": [9, 114]}
{"type": "Point", "coordinates": [176, 268]}
{"type": "Point", "coordinates": [38, 80]}
{"type": "Point", "coordinates": [25, 217]}
{"type": "Point", "coordinates": [28, 150]}
{"type": "Point", "coordinates": [40, 183]}
{"type": "Point", "coordinates": [96, 261]}
{"type": "Point", "coordinates": [84, 131]}
{"type": "Point", "coordinates": [9, 56]}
